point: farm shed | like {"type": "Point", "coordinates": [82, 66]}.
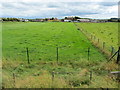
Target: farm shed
{"type": "Point", "coordinates": [114, 19]}
{"type": "Point", "coordinates": [67, 20]}
{"type": "Point", "coordinates": [23, 20]}
{"type": "Point", "coordinates": [36, 20]}
{"type": "Point", "coordinates": [94, 21]}
{"type": "Point", "coordinates": [83, 20]}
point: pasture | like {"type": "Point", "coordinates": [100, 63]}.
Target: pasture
{"type": "Point", "coordinates": [42, 40]}
{"type": "Point", "coordinates": [105, 32]}
{"type": "Point", "coordinates": [76, 68]}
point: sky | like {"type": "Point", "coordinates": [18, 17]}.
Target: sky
{"type": "Point", "coordinates": [96, 9]}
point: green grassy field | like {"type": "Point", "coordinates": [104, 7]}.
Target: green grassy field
{"type": "Point", "coordinates": [73, 69]}
{"type": "Point", "coordinates": [42, 38]}
{"type": "Point", "coordinates": [106, 32]}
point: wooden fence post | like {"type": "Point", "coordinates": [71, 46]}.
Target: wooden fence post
{"type": "Point", "coordinates": [53, 76]}
{"type": "Point", "coordinates": [88, 53]}
{"type": "Point", "coordinates": [14, 79]}
{"type": "Point", "coordinates": [98, 40]}
{"type": "Point", "coordinates": [112, 50]}
{"type": "Point", "coordinates": [27, 51]}
{"type": "Point", "coordinates": [90, 75]}
{"type": "Point", "coordinates": [103, 45]}
{"type": "Point", "coordinates": [57, 54]}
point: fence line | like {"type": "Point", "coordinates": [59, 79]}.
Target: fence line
{"type": "Point", "coordinates": [96, 41]}
{"type": "Point", "coordinates": [108, 50]}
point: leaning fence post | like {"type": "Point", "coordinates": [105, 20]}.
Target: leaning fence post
{"type": "Point", "coordinates": [88, 53]}
{"type": "Point", "coordinates": [118, 56]}
{"type": "Point", "coordinates": [27, 51]}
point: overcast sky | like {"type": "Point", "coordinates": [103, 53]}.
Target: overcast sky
{"type": "Point", "coordinates": [99, 9]}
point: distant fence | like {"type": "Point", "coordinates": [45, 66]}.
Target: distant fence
{"type": "Point", "coordinates": [102, 45]}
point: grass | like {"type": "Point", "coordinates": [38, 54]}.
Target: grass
{"type": "Point", "coordinates": [105, 32]}
{"type": "Point", "coordinates": [66, 75]}
{"type": "Point", "coordinates": [73, 69]}
{"type": "Point", "coordinates": [42, 38]}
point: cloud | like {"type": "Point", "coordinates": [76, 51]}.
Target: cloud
{"type": "Point", "coordinates": [60, 8]}
{"type": "Point", "coordinates": [60, 1]}
{"type": "Point", "coordinates": [108, 3]}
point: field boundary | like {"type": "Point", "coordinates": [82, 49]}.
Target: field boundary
{"type": "Point", "coordinates": [101, 45]}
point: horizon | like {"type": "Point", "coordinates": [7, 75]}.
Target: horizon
{"type": "Point", "coordinates": [56, 17]}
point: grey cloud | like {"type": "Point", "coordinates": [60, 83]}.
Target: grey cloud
{"type": "Point", "coordinates": [108, 3]}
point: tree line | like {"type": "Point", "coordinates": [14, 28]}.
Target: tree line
{"type": "Point", "coordinates": [46, 19]}
{"type": "Point", "coordinates": [10, 19]}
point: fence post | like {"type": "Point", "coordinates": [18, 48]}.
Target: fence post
{"type": "Point", "coordinates": [57, 54]}
{"type": "Point", "coordinates": [88, 53]}
{"type": "Point", "coordinates": [118, 56]}
{"type": "Point", "coordinates": [112, 50]}
{"type": "Point", "coordinates": [103, 45]}
{"type": "Point", "coordinates": [14, 79]}
{"type": "Point", "coordinates": [98, 40]}
{"type": "Point", "coordinates": [90, 75]}
{"type": "Point", "coordinates": [53, 76]}
{"type": "Point", "coordinates": [28, 55]}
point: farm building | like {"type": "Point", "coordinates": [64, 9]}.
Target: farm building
{"type": "Point", "coordinates": [69, 18]}
{"type": "Point", "coordinates": [83, 20]}
{"type": "Point", "coordinates": [98, 20]}
{"type": "Point", "coordinates": [36, 20]}
{"type": "Point", "coordinates": [102, 20]}
{"type": "Point", "coordinates": [115, 19]}
{"type": "Point", "coordinates": [52, 19]}
{"type": "Point", "coordinates": [23, 20]}
{"type": "Point", "coordinates": [75, 21]}
{"type": "Point", "coordinates": [94, 21]}
{"type": "Point", "coordinates": [66, 20]}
